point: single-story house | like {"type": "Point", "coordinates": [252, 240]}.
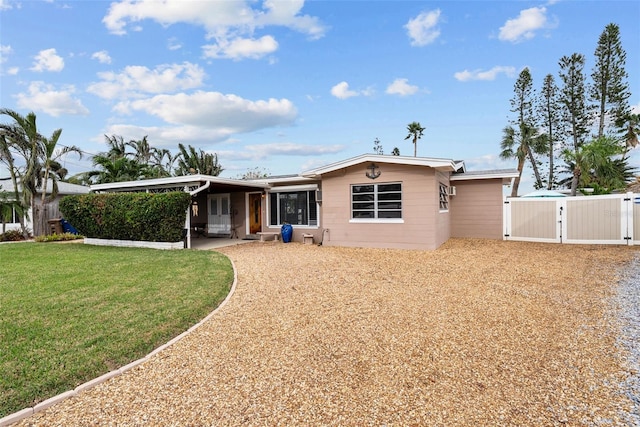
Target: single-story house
{"type": "Point", "coordinates": [366, 201]}
{"type": "Point", "coordinates": [51, 209]}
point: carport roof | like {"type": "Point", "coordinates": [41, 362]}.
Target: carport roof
{"type": "Point", "coordinates": [180, 183]}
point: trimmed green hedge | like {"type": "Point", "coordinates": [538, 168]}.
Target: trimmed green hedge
{"type": "Point", "coordinates": [128, 216]}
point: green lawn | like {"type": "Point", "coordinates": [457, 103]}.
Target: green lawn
{"type": "Point", "coordinates": [72, 312]}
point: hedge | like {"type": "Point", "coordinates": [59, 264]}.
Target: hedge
{"type": "Point", "coordinates": [128, 216]}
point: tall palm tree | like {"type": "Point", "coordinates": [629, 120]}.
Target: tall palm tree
{"type": "Point", "coordinates": [143, 151]}
{"type": "Point", "coordinates": [51, 167]}
{"type": "Point", "coordinates": [117, 146]}
{"type": "Point", "coordinates": [519, 144]}
{"type": "Point", "coordinates": [415, 132]}
{"type": "Point", "coordinates": [22, 136]}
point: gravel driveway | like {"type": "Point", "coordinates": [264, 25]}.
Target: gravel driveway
{"type": "Point", "coordinates": [477, 332]}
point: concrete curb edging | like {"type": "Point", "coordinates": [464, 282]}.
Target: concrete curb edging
{"type": "Point", "coordinates": [27, 412]}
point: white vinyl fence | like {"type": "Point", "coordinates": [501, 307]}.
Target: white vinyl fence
{"type": "Point", "coordinates": [611, 219]}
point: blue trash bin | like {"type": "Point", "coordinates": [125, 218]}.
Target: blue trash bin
{"type": "Point", "coordinates": [287, 232]}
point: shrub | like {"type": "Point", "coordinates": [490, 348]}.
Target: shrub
{"type": "Point", "coordinates": [11, 236]}
{"type": "Point", "coordinates": [128, 216]}
{"type": "Point", "coordinates": [62, 237]}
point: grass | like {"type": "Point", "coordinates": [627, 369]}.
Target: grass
{"type": "Point", "coordinates": [72, 312]}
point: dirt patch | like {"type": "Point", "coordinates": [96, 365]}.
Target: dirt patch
{"type": "Point", "coordinates": [478, 332]}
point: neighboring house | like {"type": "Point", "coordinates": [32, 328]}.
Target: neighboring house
{"type": "Point", "coordinates": [51, 209]}
{"type": "Point", "coordinates": [366, 201]}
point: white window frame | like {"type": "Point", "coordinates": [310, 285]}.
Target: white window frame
{"type": "Point", "coordinates": [375, 205]}
{"type": "Point", "coordinates": [292, 189]}
{"type": "Point", "coordinates": [443, 197]}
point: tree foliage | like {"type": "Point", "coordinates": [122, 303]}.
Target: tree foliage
{"type": "Point", "coordinates": [414, 133]}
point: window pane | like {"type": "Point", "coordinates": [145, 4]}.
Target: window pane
{"type": "Point", "coordinates": [363, 214]}
{"type": "Point", "coordinates": [363, 197]}
{"type": "Point", "coordinates": [389, 214]}
{"type": "Point", "coordinates": [362, 188]}
{"type": "Point", "coordinates": [390, 205]}
{"type": "Point", "coordinates": [273, 209]}
{"type": "Point", "coordinates": [225, 206]}
{"type": "Point", "coordinates": [389, 187]}
{"type": "Point", "coordinates": [390, 196]}
{"type": "Point", "coordinates": [362, 205]}
{"type": "Point", "coordinates": [313, 208]}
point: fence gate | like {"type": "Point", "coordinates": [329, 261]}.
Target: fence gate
{"type": "Point", "coordinates": [611, 219]}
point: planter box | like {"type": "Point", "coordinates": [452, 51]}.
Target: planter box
{"type": "Point", "coordinates": [133, 243]}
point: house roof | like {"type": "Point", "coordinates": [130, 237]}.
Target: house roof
{"type": "Point", "coordinates": [179, 183]}
{"type": "Point", "coordinates": [63, 187]}
{"type": "Point", "coordinates": [505, 174]}
{"type": "Point", "coordinates": [441, 164]}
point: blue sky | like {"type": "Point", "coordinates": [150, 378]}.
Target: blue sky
{"type": "Point", "coordinates": [288, 86]}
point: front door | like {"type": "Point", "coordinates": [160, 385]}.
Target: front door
{"type": "Point", "coordinates": [219, 218]}
{"type": "Point", "coordinates": [255, 213]}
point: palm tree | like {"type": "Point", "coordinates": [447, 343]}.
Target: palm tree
{"type": "Point", "coordinates": [116, 170]}
{"type": "Point", "coordinates": [631, 125]}
{"type": "Point", "coordinates": [23, 137]}
{"type": "Point", "coordinates": [143, 151]}
{"type": "Point", "coordinates": [597, 165]}
{"type": "Point", "coordinates": [415, 132]}
{"type": "Point", "coordinates": [191, 162]}
{"type": "Point", "coordinates": [519, 145]}
{"type": "Point", "coordinates": [51, 168]}
{"type": "Point", "coordinates": [117, 146]}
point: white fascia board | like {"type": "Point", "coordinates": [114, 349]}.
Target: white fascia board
{"type": "Point", "coordinates": [187, 180]}
{"type": "Point", "coordinates": [445, 164]}
{"type": "Point", "coordinates": [289, 188]}
{"type": "Point", "coordinates": [488, 175]}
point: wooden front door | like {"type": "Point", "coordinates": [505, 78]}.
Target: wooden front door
{"type": "Point", "coordinates": [219, 218]}
{"type": "Point", "coordinates": [255, 213]}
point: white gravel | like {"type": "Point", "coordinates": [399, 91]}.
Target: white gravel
{"type": "Point", "coordinates": [628, 302]}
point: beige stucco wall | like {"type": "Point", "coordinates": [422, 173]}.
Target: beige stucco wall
{"type": "Point", "coordinates": [423, 227]}
{"type": "Point", "coordinates": [476, 209]}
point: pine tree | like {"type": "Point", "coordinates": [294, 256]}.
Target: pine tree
{"type": "Point", "coordinates": [548, 111]}
{"type": "Point", "coordinates": [576, 112]}
{"type": "Point", "coordinates": [610, 89]}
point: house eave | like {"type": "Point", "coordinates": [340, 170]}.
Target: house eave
{"type": "Point", "coordinates": [435, 163]}
{"type": "Point", "coordinates": [186, 181]}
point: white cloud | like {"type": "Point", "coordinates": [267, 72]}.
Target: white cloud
{"type": "Point", "coordinates": [423, 29]}
{"type": "Point", "coordinates": [44, 97]}
{"type": "Point", "coordinates": [173, 44]}
{"type": "Point", "coordinates": [264, 151]}
{"type": "Point", "coordinates": [6, 5]}
{"type": "Point", "coordinates": [342, 91]}
{"type": "Point", "coordinates": [136, 80]}
{"type": "Point", "coordinates": [524, 26]}
{"type": "Point", "coordinates": [401, 87]}
{"type": "Point", "coordinates": [214, 114]}
{"type": "Point", "coordinates": [102, 57]}
{"type": "Point", "coordinates": [13, 71]}
{"type": "Point", "coordinates": [241, 48]}
{"type": "Point", "coordinates": [466, 75]}
{"type": "Point", "coordinates": [5, 50]}
{"type": "Point", "coordinates": [231, 24]}
{"type": "Point", "coordinates": [635, 109]}
{"type": "Point", "coordinates": [48, 60]}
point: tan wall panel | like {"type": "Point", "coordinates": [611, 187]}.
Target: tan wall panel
{"type": "Point", "coordinates": [596, 219]}
{"type": "Point", "coordinates": [419, 207]}
{"type": "Point", "coordinates": [476, 209]}
{"type": "Point", "coordinates": [534, 219]}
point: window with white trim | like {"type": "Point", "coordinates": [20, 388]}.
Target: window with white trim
{"type": "Point", "coordinates": [293, 207]}
{"type": "Point", "coordinates": [376, 201]}
{"type": "Point", "coordinates": [443, 197]}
